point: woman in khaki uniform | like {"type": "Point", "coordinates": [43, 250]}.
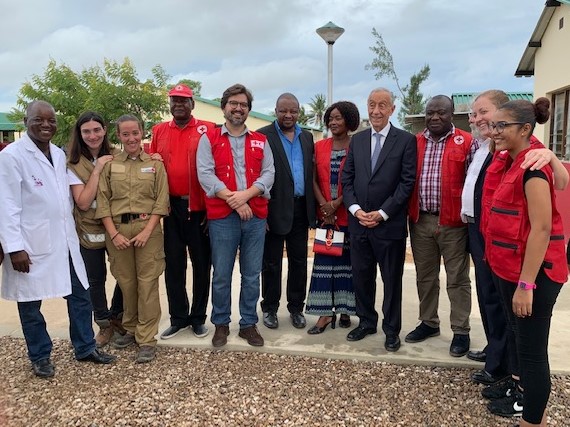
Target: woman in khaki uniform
{"type": "Point", "coordinates": [89, 151]}
{"type": "Point", "coordinates": [132, 198]}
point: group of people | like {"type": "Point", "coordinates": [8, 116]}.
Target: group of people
{"type": "Point", "coordinates": [224, 190]}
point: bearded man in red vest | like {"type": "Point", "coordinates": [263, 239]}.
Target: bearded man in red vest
{"type": "Point", "coordinates": [235, 169]}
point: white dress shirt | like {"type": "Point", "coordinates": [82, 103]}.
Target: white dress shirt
{"type": "Point", "coordinates": [383, 134]}
{"type": "Point", "coordinates": [468, 195]}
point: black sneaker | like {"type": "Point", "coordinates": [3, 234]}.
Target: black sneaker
{"type": "Point", "coordinates": [172, 331]}
{"type": "Point", "coordinates": [200, 331]}
{"type": "Point", "coordinates": [499, 390]}
{"type": "Point", "coordinates": [511, 406]}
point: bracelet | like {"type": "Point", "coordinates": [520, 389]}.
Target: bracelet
{"type": "Point", "coordinates": [113, 238]}
{"type": "Point", "coordinates": [526, 286]}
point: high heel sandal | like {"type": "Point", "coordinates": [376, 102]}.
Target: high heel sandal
{"type": "Point", "coordinates": [320, 329]}
{"type": "Point", "coordinates": [344, 321]}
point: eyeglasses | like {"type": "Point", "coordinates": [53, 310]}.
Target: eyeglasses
{"type": "Point", "coordinates": [235, 104]}
{"type": "Point", "coordinates": [500, 126]}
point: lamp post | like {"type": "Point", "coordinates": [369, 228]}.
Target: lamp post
{"type": "Point", "coordinates": [330, 33]}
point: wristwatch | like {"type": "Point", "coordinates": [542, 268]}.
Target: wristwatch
{"type": "Point", "coordinates": [526, 286]}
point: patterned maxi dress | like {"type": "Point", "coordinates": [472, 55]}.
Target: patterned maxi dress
{"type": "Point", "coordinates": [331, 288]}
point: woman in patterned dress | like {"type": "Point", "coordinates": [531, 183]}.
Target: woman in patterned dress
{"type": "Point", "coordinates": [331, 291]}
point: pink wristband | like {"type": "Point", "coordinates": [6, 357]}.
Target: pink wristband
{"type": "Point", "coordinates": [526, 286]}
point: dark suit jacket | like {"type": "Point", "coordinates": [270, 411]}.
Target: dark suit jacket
{"type": "Point", "coordinates": [280, 216]}
{"type": "Point", "coordinates": [388, 187]}
{"type": "Point", "coordinates": [478, 190]}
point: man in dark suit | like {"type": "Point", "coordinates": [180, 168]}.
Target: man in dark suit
{"type": "Point", "coordinates": [291, 213]}
{"type": "Point", "coordinates": [378, 179]}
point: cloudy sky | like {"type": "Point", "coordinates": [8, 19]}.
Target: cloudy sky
{"type": "Point", "coordinates": [271, 46]}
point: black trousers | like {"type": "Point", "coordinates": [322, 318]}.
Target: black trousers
{"type": "Point", "coordinates": [367, 251]}
{"type": "Point", "coordinates": [492, 313]}
{"type": "Point", "coordinates": [184, 231]}
{"type": "Point", "coordinates": [296, 244]}
{"type": "Point", "coordinates": [96, 268]}
{"type": "Point", "coordinates": [531, 335]}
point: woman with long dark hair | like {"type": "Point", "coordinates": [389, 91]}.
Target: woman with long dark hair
{"type": "Point", "coordinates": [89, 150]}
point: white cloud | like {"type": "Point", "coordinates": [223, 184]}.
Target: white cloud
{"type": "Point", "coordinates": [272, 46]}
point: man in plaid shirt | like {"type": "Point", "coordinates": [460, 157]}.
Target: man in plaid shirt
{"type": "Point", "coordinates": [436, 228]}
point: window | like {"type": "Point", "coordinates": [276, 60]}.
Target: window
{"type": "Point", "coordinates": [560, 125]}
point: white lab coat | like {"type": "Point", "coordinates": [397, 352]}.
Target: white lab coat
{"type": "Point", "coordinates": [36, 206]}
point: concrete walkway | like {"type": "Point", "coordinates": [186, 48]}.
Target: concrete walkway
{"type": "Point", "coordinates": [332, 343]}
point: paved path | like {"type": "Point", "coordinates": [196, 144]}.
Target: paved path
{"type": "Point", "coordinates": [332, 343]}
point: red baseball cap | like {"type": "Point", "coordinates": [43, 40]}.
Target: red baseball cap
{"type": "Point", "coordinates": [181, 90]}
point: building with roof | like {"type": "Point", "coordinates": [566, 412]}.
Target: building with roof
{"type": "Point", "coordinates": [9, 130]}
{"type": "Point", "coordinates": [210, 110]}
{"type": "Point", "coordinates": [207, 109]}
{"type": "Point", "coordinates": [546, 58]}
{"type": "Point", "coordinates": [462, 103]}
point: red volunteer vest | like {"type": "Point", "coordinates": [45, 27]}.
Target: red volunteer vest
{"type": "Point", "coordinates": [508, 225]}
{"type": "Point", "coordinates": [457, 146]}
{"type": "Point", "coordinates": [500, 163]}
{"type": "Point", "coordinates": [217, 208]}
{"type": "Point", "coordinates": [323, 150]}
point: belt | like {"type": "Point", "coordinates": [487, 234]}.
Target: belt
{"type": "Point", "coordinates": [430, 213]}
{"type": "Point", "coordinates": [128, 217]}
{"type": "Point", "coordinates": [179, 197]}
{"type": "Point", "coordinates": [470, 219]}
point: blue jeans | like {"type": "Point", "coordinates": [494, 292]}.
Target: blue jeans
{"type": "Point", "coordinates": [80, 323]}
{"type": "Point", "coordinates": [226, 236]}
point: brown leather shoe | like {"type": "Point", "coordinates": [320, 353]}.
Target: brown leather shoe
{"type": "Point", "coordinates": [251, 334]}
{"type": "Point", "coordinates": [221, 335]}
{"type": "Point", "coordinates": [104, 336]}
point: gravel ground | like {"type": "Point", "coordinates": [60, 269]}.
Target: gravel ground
{"type": "Point", "coordinates": [185, 387]}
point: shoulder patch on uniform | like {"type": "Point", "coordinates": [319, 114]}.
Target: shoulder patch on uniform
{"type": "Point", "coordinates": [459, 139]}
{"type": "Point", "coordinates": [202, 129]}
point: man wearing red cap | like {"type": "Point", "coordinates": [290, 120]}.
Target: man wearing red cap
{"type": "Point", "coordinates": [185, 228]}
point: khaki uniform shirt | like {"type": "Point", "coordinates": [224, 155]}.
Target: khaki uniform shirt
{"type": "Point", "coordinates": [138, 186]}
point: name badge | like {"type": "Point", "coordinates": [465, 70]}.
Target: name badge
{"type": "Point", "coordinates": [150, 169]}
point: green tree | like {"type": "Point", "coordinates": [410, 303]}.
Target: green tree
{"type": "Point", "coordinates": [317, 108]}
{"type": "Point", "coordinates": [112, 89]}
{"type": "Point", "coordinates": [195, 85]}
{"type": "Point", "coordinates": [413, 100]}
{"type": "Point", "coordinates": [303, 116]}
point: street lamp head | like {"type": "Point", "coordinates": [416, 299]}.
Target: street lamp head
{"type": "Point", "coordinates": [330, 32]}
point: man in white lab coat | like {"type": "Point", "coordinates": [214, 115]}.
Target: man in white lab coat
{"type": "Point", "coordinates": [40, 244]}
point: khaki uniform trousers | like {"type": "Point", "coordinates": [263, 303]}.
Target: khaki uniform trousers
{"type": "Point", "coordinates": [137, 270]}
{"type": "Point", "coordinates": [430, 242]}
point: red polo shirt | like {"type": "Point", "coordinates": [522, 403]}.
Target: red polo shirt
{"type": "Point", "coordinates": [178, 146]}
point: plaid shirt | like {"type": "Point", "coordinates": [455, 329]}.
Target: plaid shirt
{"type": "Point", "coordinates": [430, 178]}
